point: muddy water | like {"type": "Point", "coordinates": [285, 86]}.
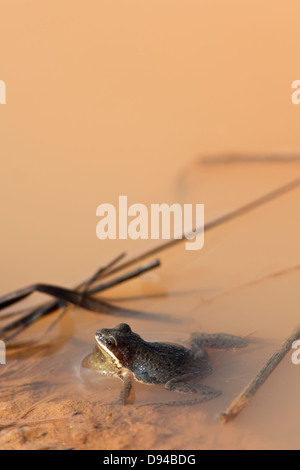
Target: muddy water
{"type": "Point", "coordinates": [102, 103]}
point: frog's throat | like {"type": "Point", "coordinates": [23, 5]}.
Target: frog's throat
{"type": "Point", "coordinates": [109, 354]}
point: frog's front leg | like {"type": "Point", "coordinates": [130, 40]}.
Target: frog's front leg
{"type": "Point", "coordinates": [127, 395]}
{"type": "Point", "coordinates": [217, 341]}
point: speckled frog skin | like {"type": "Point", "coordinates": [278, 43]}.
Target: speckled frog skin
{"type": "Point", "coordinates": [125, 354]}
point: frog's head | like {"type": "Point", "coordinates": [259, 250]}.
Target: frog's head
{"type": "Point", "coordinates": [119, 344]}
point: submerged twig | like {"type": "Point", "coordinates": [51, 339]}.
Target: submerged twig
{"type": "Point", "coordinates": [213, 223]}
{"type": "Point", "coordinates": [65, 296]}
{"type": "Point", "coordinates": [242, 400]}
{"type": "Point", "coordinates": [53, 305]}
{"type": "Point", "coordinates": [250, 159]}
{"type": "Point", "coordinates": [251, 283]}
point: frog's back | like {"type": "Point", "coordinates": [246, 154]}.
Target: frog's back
{"type": "Point", "coordinates": [157, 363]}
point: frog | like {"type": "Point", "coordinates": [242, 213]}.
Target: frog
{"type": "Point", "coordinates": [123, 353]}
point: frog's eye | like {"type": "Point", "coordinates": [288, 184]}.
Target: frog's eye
{"type": "Point", "coordinates": [110, 342]}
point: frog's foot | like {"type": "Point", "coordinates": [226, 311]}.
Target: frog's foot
{"type": "Point", "coordinates": [187, 384]}
{"type": "Point", "coordinates": [217, 341]}
{"type": "Point", "coordinates": [127, 394]}
{"type": "Point", "coordinates": [190, 401]}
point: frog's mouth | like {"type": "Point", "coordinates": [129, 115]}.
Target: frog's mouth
{"type": "Point", "coordinates": [100, 340]}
